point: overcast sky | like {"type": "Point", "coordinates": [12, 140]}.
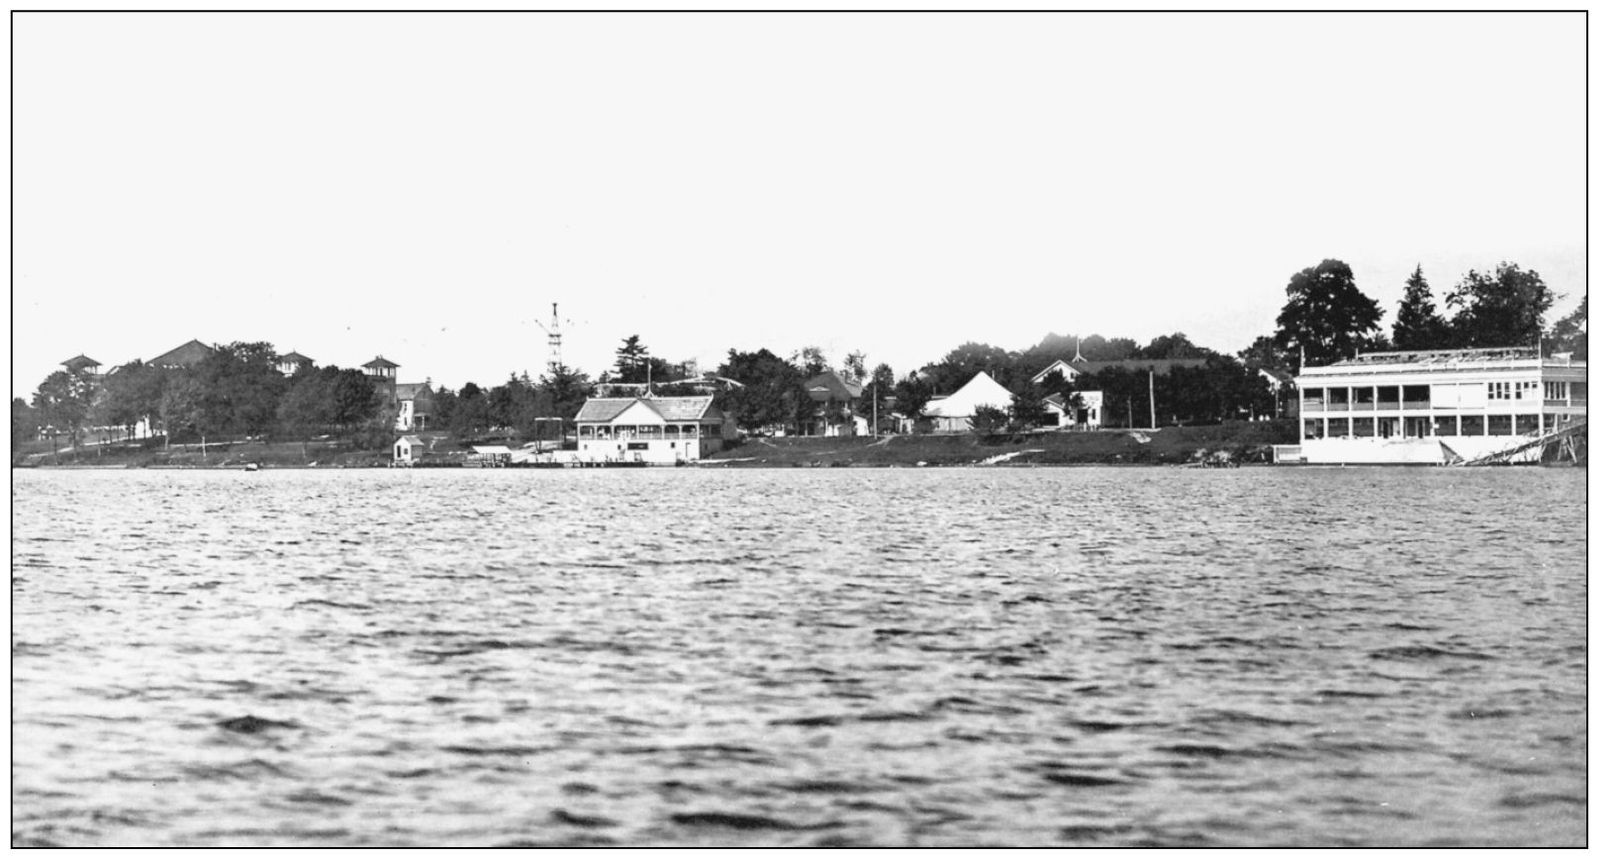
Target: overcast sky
{"type": "Point", "coordinates": [424, 186]}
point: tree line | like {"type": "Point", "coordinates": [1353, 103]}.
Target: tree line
{"type": "Point", "coordinates": [238, 390]}
{"type": "Point", "coordinates": [1327, 318]}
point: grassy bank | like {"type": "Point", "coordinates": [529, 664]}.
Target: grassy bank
{"type": "Point", "coordinates": [1243, 442]}
{"type": "Point", "coordinates": [217, 455]}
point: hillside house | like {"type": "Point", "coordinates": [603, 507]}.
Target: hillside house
{"type": "Point", "coordinates": [415, 406]}
{"type": "Point", "coordinates": [658, 430]}
{"type": "Point", "coordinates": [82, 365]}
{"type": "Point", "coordinates": [837, 407]}
{"type": "Point", "coordinates": [291, 363]}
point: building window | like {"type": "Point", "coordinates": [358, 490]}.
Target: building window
{"type": "Point", "coordinates": [1555, 391]}
{"type": "Point", "coordinates": [1499, 425]}
{"type": "Point", "coordinates": [1527, 423]}
{"type": "Point", "coordinates": [1364, 427]}
{"type": "Point", "coordinates": [1418, 396]}
{"type": "Point", "coordinates": [1387, 398]}
{"type": "Point", "coordinates": [1472, 426]}
{"type": "Point", "coordinates": [1417, 426]}
{"type": "Point", "coordinates": [1336, 399]}
{"type": "Point", "coordinates": [1445, 426]}
{"type": "Point", "coordinates": [1336, 427]}
{"type": "Point", "coordinates": [1312, 429]}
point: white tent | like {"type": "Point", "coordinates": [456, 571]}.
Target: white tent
{"type": "Point", "coordinates": [954, 413]}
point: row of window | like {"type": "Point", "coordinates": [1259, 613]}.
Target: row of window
{"type": "Point", "coordinates": [1513, 390]}
{"type": "Point", "coordinates": [592, 432]}
{"type": "Point", "coordinates": [1470, 425]}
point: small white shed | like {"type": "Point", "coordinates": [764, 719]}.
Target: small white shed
{"type": "Point", "coordinates": [407, 450]}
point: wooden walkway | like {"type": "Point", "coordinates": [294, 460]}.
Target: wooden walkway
{"type": "Point", "coordinates": [1565, 439]}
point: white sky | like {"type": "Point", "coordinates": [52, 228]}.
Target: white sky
{"type": "Point", "coordinates": [424, 186]}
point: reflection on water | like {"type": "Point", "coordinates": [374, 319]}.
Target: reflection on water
{"type": "Point", "coordinates": [892, 657]}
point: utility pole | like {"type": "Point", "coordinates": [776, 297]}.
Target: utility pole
{"type": "Point", "coordinates": [1151, 390]}
{"type": "Point", "coordinates": [875, 393]}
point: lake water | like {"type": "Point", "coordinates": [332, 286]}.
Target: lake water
{"type": "Point", "coordinates": [961, 657]}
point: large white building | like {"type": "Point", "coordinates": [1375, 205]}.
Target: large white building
{"type": "Point", "coordinates": [652, 429]}
{"type": "Point", "coordinates": [1433, 407]}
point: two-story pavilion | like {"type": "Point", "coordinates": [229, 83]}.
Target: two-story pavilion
{"type": "Point", "coordinates": [653, 429]}
{"type": "Point", "coordinates": [1428, 407]}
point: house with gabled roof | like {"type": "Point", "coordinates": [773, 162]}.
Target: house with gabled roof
{"type": "Point", "coordinates": [836, 412]}
{"type": "Point", "coordinates": [183, 357]}
{"type": "Point", "coordinates": [415, 405]}
{"type": "Point", "coordinates": [651, 429]}
{"type": "Point", "coordinates": [291, 363]}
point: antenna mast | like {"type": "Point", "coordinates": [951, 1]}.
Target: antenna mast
{"type": "Point", "coordinates": [554, 330]}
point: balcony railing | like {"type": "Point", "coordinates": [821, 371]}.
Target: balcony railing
{"type": "Point", "coordinates": [1336, 406]}
{"type": "Point", "coordinates": [1364, 406]}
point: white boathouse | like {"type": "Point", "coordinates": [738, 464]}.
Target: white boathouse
{"type": "Point", "coordinates": [1434, 407]}
{"type": "Point", "coordinates": [651, 429]}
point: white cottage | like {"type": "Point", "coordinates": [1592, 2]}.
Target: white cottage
{"type": "Point", "coordinates": [652, 429]}
{"type": "Point", "coordinates": [1432, 407]}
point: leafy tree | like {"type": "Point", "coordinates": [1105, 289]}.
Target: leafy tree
{"type": "Point", "coordinates": [565, 391]}
{"type": "Point", "coordinates": [471, 411]}
{"type": "Point", "coordinates": [1173, 347]}
{"type": "Point", "coordinates": [876, 393]}
{"type": "Point", "coordinates": [810, 360]}
{"type": "Point", "coordinates": [987, 420]}
{"type": "Point", "coordinates": [355, 400]}
{"type": "Point", "coordinates": [1100, 348]}
{"type": "Point", "coordinates": [853, 366]}
{"type": "Point", "coordinates": [1027, 406]}
{"type": "Point", "coordinates": [244, 387]}
{"type": "Point", "coordinates": [1326, 314]}
{"type": "Point", "coordinates": [965, 361]}
{"type": "Point", "coordinates": [24, 423]}
{"type": "Point", "coordinates": [1501, 308]}
{"type": "Point", "coordinates": [63, 402]}
{"type": "Point", "coordinates": [129, 393]}
{"type": "Point", "coordinates": [308, 407]}
{"type": "Point", "coordinates": [1418, 325]}
{"type": "Point", "coordinates": [772, 394]}
{"type": "Point", "coordinates": [189, 406]}
{"type": "Point", "coordinates": [911, 396]}
{"type": "Point", "coordinates": [1572, 333]}
{"type": "Point", "coordinates": [1263, 353]}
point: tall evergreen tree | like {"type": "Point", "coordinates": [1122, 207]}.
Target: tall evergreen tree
{"type": "Point", "coordinates": [630, 361]}
{"type": "Point", "coordinates": [1418, 325]}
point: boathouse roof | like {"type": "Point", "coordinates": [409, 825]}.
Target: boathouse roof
{"type": "Point", "coordinates": [670, 408]}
